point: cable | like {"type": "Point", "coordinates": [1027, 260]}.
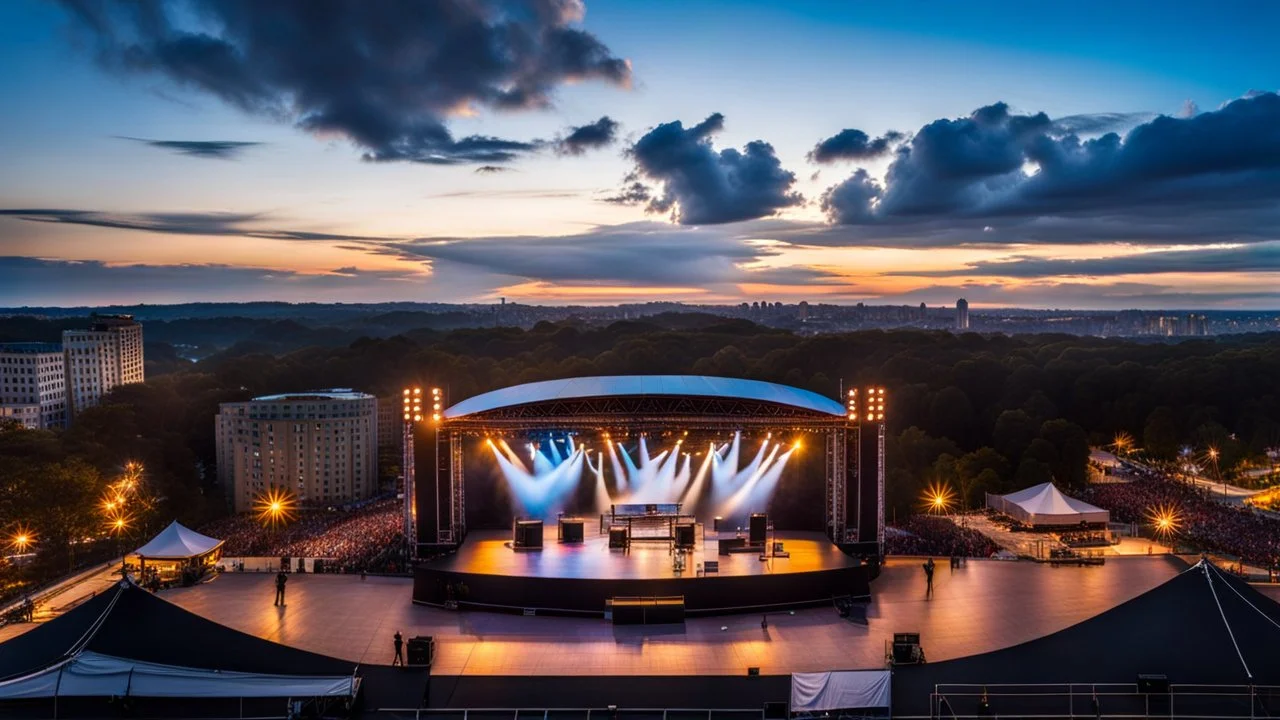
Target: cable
{"type": "Point", "coordinates": [1209, 579]}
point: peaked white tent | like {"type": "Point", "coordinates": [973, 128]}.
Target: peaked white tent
{"type": "Point", "coordinates": [175, 551]}
{"type": "Point", "coordinates": [177, 542]}
{"type": "Point", "coordinates": [1045, 506]}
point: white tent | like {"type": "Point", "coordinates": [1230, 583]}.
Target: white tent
{"type": "Point", "coordinates": [1043, 505]}
{"type": "Point", "coordinates": [91, 674]}
{"type": "Point", "coordinates": [177, 542]}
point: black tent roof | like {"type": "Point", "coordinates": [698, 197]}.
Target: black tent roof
{"type": "Point", "coordinates": [1201, 627]}
{"type": "Point", "coordinates": [129, 622]}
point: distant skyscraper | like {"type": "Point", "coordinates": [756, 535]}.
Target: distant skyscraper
{"type": "Point", "coordinates": [804, 309]}
{"type": "Point", "coordinates": [320, 446]}
{"type": "Point", "coordinates": [108, 354]}
{"type": "Point", "coordinates": [962, 314]}
{"type": "Point", "coordinates": [33, 385]}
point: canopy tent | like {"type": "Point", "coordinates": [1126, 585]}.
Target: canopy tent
{"type": "Point", "coordinates": [1044, 506]}
{"type": "Point", "coordinates": [1202, 627]}
{"type": "Point", "coordinates": [128, 643]}
{"type": "Point", "coordinates": [178, 542]}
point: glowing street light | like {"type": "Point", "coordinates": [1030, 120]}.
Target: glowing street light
{"type": "Point", "coordinates": [1122, 444]}
{"type": "Point", "coordinates": [274, 507]}
{"type": "Point", "coordinates": [22, 539]}
{"type": "Point", "coordinates": [1165, 519]}
{"type": "Point", "coordinates": [938, 498]}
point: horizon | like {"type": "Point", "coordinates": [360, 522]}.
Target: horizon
{"type": "Point", "coordinates": [609, 154]}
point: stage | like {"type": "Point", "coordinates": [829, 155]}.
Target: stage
{"type": "Point", "coordinates": [578, 578]}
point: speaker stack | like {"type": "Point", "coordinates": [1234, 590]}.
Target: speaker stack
{"type": "Point", "coordinates": [422, 650]}
{"type": "Point", "coordinates": [619, 537]}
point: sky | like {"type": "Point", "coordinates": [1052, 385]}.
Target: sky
{"type": "Point", "coordinates": [1094, 155]}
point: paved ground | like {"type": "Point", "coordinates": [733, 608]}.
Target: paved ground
{"type": "Point", "coordinates": [985, 605]}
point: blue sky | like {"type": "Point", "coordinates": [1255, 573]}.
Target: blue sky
{"type": "Point", "coordinates": [104, 197]}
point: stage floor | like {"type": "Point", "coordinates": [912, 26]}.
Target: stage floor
{"type": "Point", "coordinates": [983, 606]}
{"type": "Point", "coordinates": [487, 552]}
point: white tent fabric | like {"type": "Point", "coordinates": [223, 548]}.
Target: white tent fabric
{"type": "Point", "coordinates": [839, 690]}
{"type": "Point", "coordinates": [177, 542]}
{"type": "Point", "coordinates": [91, 674]}
{"type": "Point", "coordinates": [1045, 505]}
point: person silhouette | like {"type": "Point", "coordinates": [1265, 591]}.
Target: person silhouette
{"type": "Point", "coordinates": [928, 575]}
{"type": "Point", "coordinates": [281, 579]}
{"type": "Point", "coordinates": [398, 641]}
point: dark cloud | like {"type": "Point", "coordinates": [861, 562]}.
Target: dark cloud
{"type": "Point", "coordinates": [853, 145]}
{"type": "Point", "coordinates": [633, 192]}
{"type": "Point", "coordinates": [1260, 258]}
{"type": "Point", "coordinates": [703, 186]}
{"type": "Point", "coordinates": [491, 169]}
{"type": "Point", "coordinates": [996, 167]}
{"type": "Point", "coordinates": [598, 134]}
{"type": "Point", "coordinates": [218, 149]}
{"type": "Point", "coordinates": [1100, 123]}
{"type": "Point", "coordinates": [231, 224]}
{"type": "Point", "coordinates": [38, 281]}
{"type": "Point", "coordinates": [385, 75]}
{"type": "Point", "coordinates": [644, 253]}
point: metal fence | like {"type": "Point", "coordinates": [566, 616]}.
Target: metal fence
{"type": "Point", "coordinates": [1084, 700]}
{"type": "Point", "coordinates": [604, 713]}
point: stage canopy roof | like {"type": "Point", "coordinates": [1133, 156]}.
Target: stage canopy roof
{"type": "Point", "coordinates": [646, 385]}
{"type": "Point", "coordinates": [177, 542]}
{"type": "Point", "coordinates": [1200, 627]}
{"type": "Point", "coordinates": [1045, 505]}
{"type": "Point", "coordinates": [126, 632]}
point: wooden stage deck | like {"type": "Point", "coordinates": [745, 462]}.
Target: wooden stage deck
{"type": "Point", "coordinates": [488, 552]}
{"type": "Point", "coordinates": [579, 578]}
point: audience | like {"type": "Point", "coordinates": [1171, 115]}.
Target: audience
{"type": "Point", "coordinates": [362, 539]}
{"type": "Point", "coordinates": [932, 535]}
{"type": "Point", "coordinates": [1200, 520]}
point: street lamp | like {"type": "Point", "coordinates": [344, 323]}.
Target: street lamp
{"type": "Point", "coordinates": [274, 507]}
{"type": "Point", "coordinates": [21, 540]}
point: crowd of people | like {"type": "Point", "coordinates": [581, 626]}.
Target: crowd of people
{"type": "Point", "coordinates": [1195, 517]}
{"type": "Point", "coordinates": [357, 540]}
{"type": "Point", "coordinates": [933, 535]}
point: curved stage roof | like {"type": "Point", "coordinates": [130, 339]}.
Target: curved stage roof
{"type": "Point", "coordinates": [645, 385]}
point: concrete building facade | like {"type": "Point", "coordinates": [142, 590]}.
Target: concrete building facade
{"type": "Point", "coordinates": [321, 447]}
{"type": "Point", "coordinates": [33, 385]}
{"type": "Point", "coordinates": [107, 354]}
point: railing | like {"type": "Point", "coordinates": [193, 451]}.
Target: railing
{"type": "Point", "coordinates": [606, 713]}
{"type": "Point", "coordinates": [1113, 700]}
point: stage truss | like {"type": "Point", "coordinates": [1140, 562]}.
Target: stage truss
{"type": "Point", "coordinates": [656, 414]}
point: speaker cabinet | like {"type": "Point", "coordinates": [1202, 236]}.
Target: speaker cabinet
{"type": "Point", "coordinates": [758, 528]}
{"type": "Point", "coordinates": [619, 537]}
{"type": "Point", "coordinates": [571, 531]}
{"type": "Point", "coordinates": [686, 534]}
{"type": "Point", "coordinates": [528, 534]}
{"type": "Point", "coordinates": [422, 650]}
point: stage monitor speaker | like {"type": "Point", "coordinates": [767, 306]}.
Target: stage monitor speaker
{"type": "Point", "coordinates": [753, 672]}
{"type": "Point", "coordinates": [777, 711]}
{"type": "Point", "coordinates": [421, 650]}
{"type": "Point", "coordinates": [759, 528]}
{"type": "Point", "coordinates": [571, 531]}
{"type": "Point", "coordinates": [528, 534]}
{"type": "Point", "coordinates": [1153, 683]}
{"type": "Point", "coordinates": [686, 535]}
{"type": "Point", "coordinates": [618, 537]}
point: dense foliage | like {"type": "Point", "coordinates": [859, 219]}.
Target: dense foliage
{"type": "Point", "coordinates": [980, 413]}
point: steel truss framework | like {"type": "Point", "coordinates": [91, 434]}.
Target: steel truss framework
{"type": "Point", "coordinates": [643, 414]}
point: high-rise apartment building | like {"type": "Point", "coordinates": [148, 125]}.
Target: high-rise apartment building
{"type": "Point", "coordinates": [98, 359]}
{"type": "Point", "coordinates": [320, 446]}
{"type": "Point", "coordinates": [962, 314]}
{"type": "Point", "coordinates": [33, 385]}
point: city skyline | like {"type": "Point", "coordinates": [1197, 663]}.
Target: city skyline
{"type": "Point", "coordinates": [624, 152]}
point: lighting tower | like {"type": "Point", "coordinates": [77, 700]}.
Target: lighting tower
{"type": "Point", "coordinates": [863, 520]}
{"type": "Point", "coordinates": [412, 415]}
